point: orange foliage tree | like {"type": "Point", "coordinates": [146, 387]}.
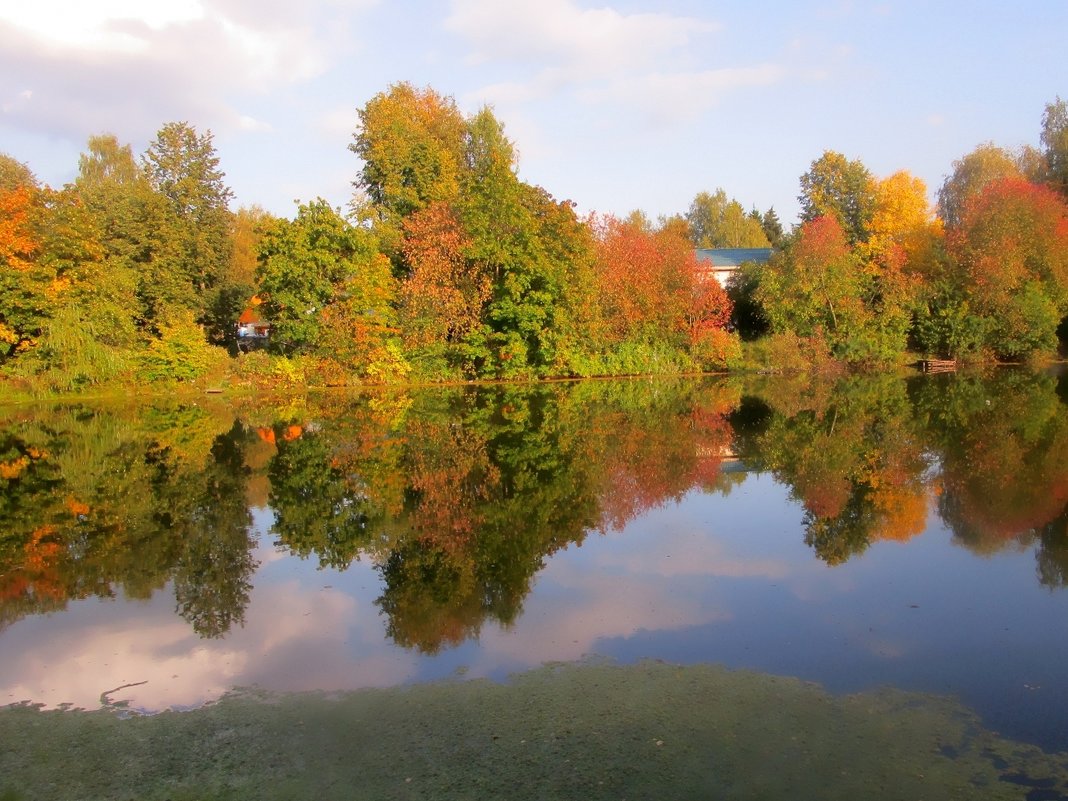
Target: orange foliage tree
{"type": "Point", "coordinates": [19, 283]}
{"type": "Point", "coordinates": [443, 297]}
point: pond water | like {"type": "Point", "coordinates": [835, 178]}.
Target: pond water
{"type": "Point", "coordinates": [868, 535]}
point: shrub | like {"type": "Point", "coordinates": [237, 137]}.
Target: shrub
{"type": "Point", "coordinates": [181, 354]}
{"type": "Point", "coordinates": [717, 349]}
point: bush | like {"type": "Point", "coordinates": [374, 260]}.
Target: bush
{"type": "Point", "coordinates": [788, 353]}
{"type": "Point", "coordinates": [717, 349]}
{"type": "Point", "coordinates": [181, 354]}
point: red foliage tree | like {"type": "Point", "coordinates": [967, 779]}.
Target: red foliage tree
{"type": "Point", "coordinates": [650, 283]}
{"type": "Point", "coordinates": [1013, 232]}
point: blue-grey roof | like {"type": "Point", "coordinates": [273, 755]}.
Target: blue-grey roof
{"type": "Point", "coordinates": [733, 257]}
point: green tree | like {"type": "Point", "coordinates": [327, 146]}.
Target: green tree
{"type": "Point", "coordinates": [842, 189]}
{"type": "Point", "coordinates": [814, 287]}
{"type": "Point", "coordinates": [747, 316]}
{"type": "Point", "coordinates": [138, 232]}
{"type": "Point", "coordinates": [183, 167]}
{"type": "Point", "coordinates": [91, 332]}
{"type": "Point", "coordinates": [769, 221]}
{"type": "Point", "coordinates": [497, 213]}
{"type": "Point", "coordinates": [717, 222]}
{"type": "Point", "coordinates": [306, 265]}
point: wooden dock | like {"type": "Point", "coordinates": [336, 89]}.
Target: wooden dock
{"type": "Point", "coordinates": [938, 365]}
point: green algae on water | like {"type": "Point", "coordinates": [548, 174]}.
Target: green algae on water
{"type": "Point", "coordinates": [585, 731]}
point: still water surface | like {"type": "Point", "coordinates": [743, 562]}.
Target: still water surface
{"type": "Point", "coordinates": [857, 533]}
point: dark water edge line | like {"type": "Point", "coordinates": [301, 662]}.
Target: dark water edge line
{"type": "Point", "coordinates": [590, 730]}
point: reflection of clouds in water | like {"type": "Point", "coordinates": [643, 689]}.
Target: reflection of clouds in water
{"type": "Point", "coordinates": [295, 638]}
{"type": "Point", "coordinates": [579, 609]}
{"type": "Point", "coordinates": [695, 553]}
{"type": "Point", "coordinates": [265, 551]}
{"type": "Point", "coordinates": [142, 643]}
{"type": "Point", "coordinates": [655, 575]}
{"type": "Point", "coordinates": [684, 565]}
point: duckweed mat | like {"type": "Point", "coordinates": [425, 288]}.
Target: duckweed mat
{"type": "Point", "coordinates": [585, 731]}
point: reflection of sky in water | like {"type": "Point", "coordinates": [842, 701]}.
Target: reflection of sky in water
{"type": "Point", "coordinates": [713, 578]}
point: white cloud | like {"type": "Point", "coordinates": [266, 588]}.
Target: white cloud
{"type": "Point", "coordinates": [656, 65]}
{"type": "Point", "coordinates": [596, 40]}
{"type": "Point", "coordinates": [103, 25]}
{"type": "Point", "coordinates": [672, 96]}
{"type": "Point", "coordinates": [139, 64]}
{"type": "Point", "coordinates": [247, 123]}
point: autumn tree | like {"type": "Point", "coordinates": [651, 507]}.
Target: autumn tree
{"type": "Point", "coordinates": [837, 187]}
{"type": "Point", "coordinates": [654, 300]}
{"type": "Point", "coordinates": [1010, 255]}
{"type": "Point", "coordinates": [814, 288]}
{"type": "Point", "coordinates": [676, 224]}
{"type": "Point", "coordinates": [237, 284]}
{"type": "Point", "coordinates": [442, 299]}
{"type": "Point", "coordinates": [13, 174]}
{"type": "Point", "coordinates": [903, 225]}
{"type": "Point", "coordinates": [902, 257]}
{"type": "Point", "coordinates": [970, 175]}
{"type": "Point", "coordinates": [23, 283]}
{"type": "Point", "coordinates": [248, 225]}
{"type": "Point", "coordinates": [644, 284]}
{"type": "Point", "coordinates": [411, 144]}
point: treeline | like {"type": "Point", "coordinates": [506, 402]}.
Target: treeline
{"type": "Point", "coordinates": [872, 271]}
{"type": "Point", "coordinates": [447, 266]}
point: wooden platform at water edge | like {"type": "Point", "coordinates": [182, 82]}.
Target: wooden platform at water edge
{"type": "Point", "coordinates": [938, 365]}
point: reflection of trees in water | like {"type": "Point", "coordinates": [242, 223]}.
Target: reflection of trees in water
{"type": "Point", "coordinates": [213, 576]}
{"type": "Point", "coordinates": [114, 499]}
{"type": "Point", "coordinates": [460, 495]}
{"type": "Point", "coordinates": [318, 510]}
{"type": "Point", "coordinates": [1003, 447]}
{"type": "Point", "coordinates": [853, 457]}
{"type": "Point", "coordinates": [493, 481]}
{"type": "Point", "coordinates": [863, 459]}
{"type": "Point", "coordinates": [1052, 553]}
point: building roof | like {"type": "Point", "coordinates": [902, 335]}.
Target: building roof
{"type": "Point", "coordinates": [733, 257]}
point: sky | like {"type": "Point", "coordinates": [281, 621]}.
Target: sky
{"type": "Point", "coordinates": [615, 104]}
